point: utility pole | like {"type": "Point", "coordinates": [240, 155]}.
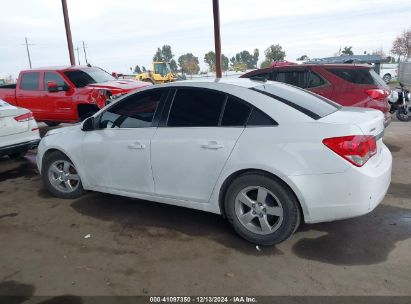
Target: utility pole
{"type": "Point", "coordinates": [217, 38]}
{"type": "Point", "coordinates": [68, 32]}
{"type": "Point", "coordinates": [78, 56]}
{"type": "Point", "coordinates": [85, 54]}
{"type": "Point", "coordinates": [28, 52]}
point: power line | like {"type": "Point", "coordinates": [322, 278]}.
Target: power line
{"type": "Point", "coordinates": [28, 51]}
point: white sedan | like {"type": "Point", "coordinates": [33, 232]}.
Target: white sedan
{"type": "Point", "coordinates": [18, 131]}
{"type": "Point", "coordinates": [263, 154]}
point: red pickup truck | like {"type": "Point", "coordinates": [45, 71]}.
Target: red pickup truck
{"type": "Point", "coordinates": [66, 94]}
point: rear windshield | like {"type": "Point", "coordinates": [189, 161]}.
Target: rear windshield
{"type": "Point", "coordinates": [358, 76]}
{"type": "Point", "coordinates": [84, 77]}
{"type": "Point", "coordinates": [311, 104]}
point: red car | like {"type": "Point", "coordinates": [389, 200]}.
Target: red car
{"type": "Point", "coordinates": [66, 94]}
{"type": "Point", "coordinates": [346, 84]}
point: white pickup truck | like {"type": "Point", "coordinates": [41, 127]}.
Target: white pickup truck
{"type": "Point", "coordinates": [389, 71]}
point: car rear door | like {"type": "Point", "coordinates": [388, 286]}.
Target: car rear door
{"type": "Point", "coordinates": [194, 142]}
{"type": "Point", "coordinates": [117, 154]}
{"type": "Point", "coordinates": [29, 94]}
{"type": "Point", "coordinates": [318, 85]}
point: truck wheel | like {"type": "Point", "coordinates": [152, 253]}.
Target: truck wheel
{"type": "Point", "coordinates": [52, 123]}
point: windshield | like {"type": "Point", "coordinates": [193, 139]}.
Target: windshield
{"type": "Point", "coordinates": [84, 77]}
{"type": "Point", "coordinates": [162, 68]}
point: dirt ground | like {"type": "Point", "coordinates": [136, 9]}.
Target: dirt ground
{"type": "Point", "coordinates": [141, 248]}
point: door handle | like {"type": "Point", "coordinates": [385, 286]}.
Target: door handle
{"type": "Point", "coordinates": [136, 146]}
{"type": "Point", "coordinates": [213, 145]}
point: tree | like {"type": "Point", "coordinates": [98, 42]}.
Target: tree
{"type": "Point", "coordinates": [164, 54]}
{"type": "Point", "coordinates": [244, 60]}
{"type": "Point", "coordinates": [137, 70]}
{"type": "Point", "coordinates": [265, 64]}
{"type": "Point", "coordinates": [209, 58]}
{"type": "Point", "coordinates": [224, 62]}
{"type": "Point", "coordinates": [347, 50]}
{"type": "Point", "coordinates": [274, 53]}
{"type": "Point", "coordinates": [189, 64]}
{"type": "Point", "coordinates": [303, 58]}
{"type": "Point", "coordinates": [143, 68]}
{"type": "Point", "coordinates": [402, 44]}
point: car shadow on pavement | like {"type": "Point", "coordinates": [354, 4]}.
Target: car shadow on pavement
{"type": "Point", "coordinates": [25, 167]}
{"type": "Point", "coordinates": [150, 219]}
{"type": "Point", "coordinates": [360, 241]}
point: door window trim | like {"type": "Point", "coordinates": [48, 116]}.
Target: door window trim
{"type": "Point", "coordinates": [170, 99]}
{"type": "Point", "coordinates": [157, 114]}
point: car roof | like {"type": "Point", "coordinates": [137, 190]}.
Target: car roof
{"type": "Point", "coordinates": [239, 82]}
{"type": "Point", "coordinates": [60, 68]}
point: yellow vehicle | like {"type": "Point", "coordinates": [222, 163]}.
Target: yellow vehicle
{"type": "Point", "coordinates": [160, 73]}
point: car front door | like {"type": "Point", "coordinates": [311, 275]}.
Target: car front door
{"type": "Point", "coordinates": [189, 151]}
{"type": "Point", "coordinates": [59, 100]}
{"type": "Point", "coordinates": [117, 153]}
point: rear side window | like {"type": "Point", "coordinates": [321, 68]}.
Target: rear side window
{"type": "Point", "coordinates": [314, 80]}
{"type": "Point", "coordinates": [295, 78]}
{"type": "Point", "coordinates": [357, 76]}
{"type": "Point", "coordinates": [135, 111]}
{"type": "Point", "coordinates": [304, 101]}
{"type": "Point", "coordinates": [30, 81]}
{"type": "Point", "coordinates": [259, 118]}
{"type": "Point", "coordinates": [196, 108]}
{"type": "Point", "coordinates": [235, 114]}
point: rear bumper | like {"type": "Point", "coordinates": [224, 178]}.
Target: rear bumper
{"type": "Point", "coordinates": [20, 147]}
{"type": "Point", "coordinates": [329, 197]}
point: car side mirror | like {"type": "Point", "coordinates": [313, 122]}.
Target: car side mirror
{"type": "Point", "coordinates": [88, 124]}
{"type": "Point", "coordinates": [52, 86]}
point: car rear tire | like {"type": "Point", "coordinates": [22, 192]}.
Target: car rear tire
{"type": "Point", "coordinates": [261, 209]}
{"type": "Point", "coordinates": [61, 177]}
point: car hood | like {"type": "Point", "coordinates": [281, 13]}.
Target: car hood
{"type": "Point", "coordinates": [73, 128]}
{"type": "Point", "coordinates": [120, 85]}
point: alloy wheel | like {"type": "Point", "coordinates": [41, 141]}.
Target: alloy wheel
{"type": "Point", "coordinates": [63, 176]}
{"type": "Point", "coordinates": [259, 210]}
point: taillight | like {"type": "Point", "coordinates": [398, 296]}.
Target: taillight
{"type": "Point", "coordinates": [25, 117]}
{"type": "Point", "coordinates": [377, 93]}
{"type": "Point", "coordinates": [357, 149]}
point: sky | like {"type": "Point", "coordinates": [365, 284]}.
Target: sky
{"type": "Point", "coordinates": [120, 34]}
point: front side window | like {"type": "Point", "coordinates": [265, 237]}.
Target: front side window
{"type": "Point", "coordinates": [51, 76]}
{"type": "Point", "coordinates": [86, 76]}
{"type": "Point", "coordinates": [30, 81]}
{"type": "Point", "coordinates": [196, 108]}
{"type": "Point", "coordinates": [135, 111]}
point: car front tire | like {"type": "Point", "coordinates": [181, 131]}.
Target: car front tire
{"type": "Point", "coordinates": [261, 209]}
{"type": "Point", "coordinates": [61, 177]}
